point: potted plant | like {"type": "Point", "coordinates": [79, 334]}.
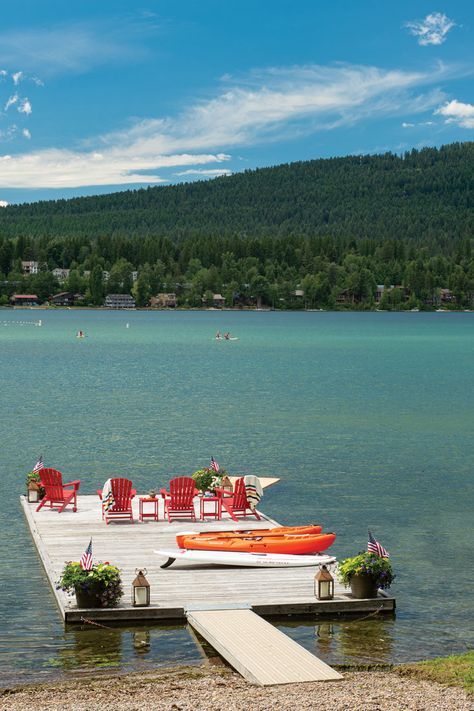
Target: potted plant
{"type": "Point", "coordinates": [33, 480]}
{"type": "Point", "coordinates": [365, 573]}
{"type": "Point", "coordinates": [100, 586]}
{"type": "Point", "coordinates": [206, 479]}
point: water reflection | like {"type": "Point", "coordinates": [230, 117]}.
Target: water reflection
{"type": "Point", "coordinates": [324, 638]}
{"type": "Point", "coordinates": [92, 648]}
{"type": "Point", "coordinates": [141, 642]}
{"type": "Point", "coordinates": [100, 647]}
{"type": "Point", "coordinates": [368, 641]}
{"type": "Point", "coordinates": [345, 641]}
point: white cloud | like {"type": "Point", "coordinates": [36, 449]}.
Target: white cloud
{"type": "Point", "coordinates": [26, 133]}
{"type": "Point", "coordinates": [458, 112]}
{"type": "Point", "coordinates": [3, 203]}
{"type": "Point", "coordinates": [264, 106]}
{"type": "Point", "coordinates": [210, 173]}
{"type": "Point", "coordinates": [407, 124]}
{"type": "Point", "coordinates": [432, 30]}
{"type": "Point", "coordinates": [25, 107]}
{"type": "Point", "coordinates": [8, 133]}
{"type": "Point", "coordinates": [17, 77]}
{"type": "Point", "coordinates": [66, 48]}
{"type": "Point", "coordinates": [11, 101]}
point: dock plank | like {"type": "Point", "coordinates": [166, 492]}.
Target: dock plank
{"type": "Point", "coordinates": [258, 651]}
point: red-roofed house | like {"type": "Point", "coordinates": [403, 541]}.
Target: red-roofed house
{"type": "Point", "coordinates": [24, 300]}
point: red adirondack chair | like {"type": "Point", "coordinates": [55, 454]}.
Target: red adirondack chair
{"type": "Point", "coordinates": [236, 504]}
{"type": "Point", "coordinates": [179, 500]}
{"type": "Point", "coordinates": [57, 495]}
{"type": "Point", "coordinates": [123, 494]}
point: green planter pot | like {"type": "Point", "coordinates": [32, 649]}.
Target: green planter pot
{"type": "Point", "coordinates": [88, 598]}
{"type": "Point", "coordinates": [363, 586]}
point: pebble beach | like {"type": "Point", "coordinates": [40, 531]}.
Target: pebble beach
{"type": "Point", "coordinates": [218, 688]}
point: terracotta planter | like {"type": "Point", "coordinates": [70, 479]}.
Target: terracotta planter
{"type": "Point", "coordinates": [363, 586]}
{"type": "Point", "coordinates": [88, 598]}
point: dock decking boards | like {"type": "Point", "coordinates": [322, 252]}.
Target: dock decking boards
{"type": "Point", "coordinates": [258, 651]}
{"type": "Point", "coordinates": [268, 591]}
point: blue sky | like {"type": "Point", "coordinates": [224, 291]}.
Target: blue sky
{"type": "Point", "coordinates": [103, 96]}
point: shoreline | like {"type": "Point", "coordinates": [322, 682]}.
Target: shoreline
{"type": "Point", "coordinates": [216, 686]}
{"type": "Point", "coordinates": [183, 309]}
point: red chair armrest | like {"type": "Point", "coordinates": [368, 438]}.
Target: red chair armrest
{"type": "Point", "coordinates": [133, 493]}
{"type": "Point", "coordinates": [76, 484]}
{"type": "Point", "coordinates": [223, 492]}
{"type": "Point", "coordinates": [99, 493]}
{"type": "Point", "coordinates": [164, 493]}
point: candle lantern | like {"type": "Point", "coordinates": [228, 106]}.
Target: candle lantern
{"type": "Point", "coordinates": [33, 492]}
{"type": "Point", "coordinates": [140, 589]}
{"type": "Point", "coordinates": [323, 584]}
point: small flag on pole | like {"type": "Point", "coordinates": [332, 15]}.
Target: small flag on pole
{"type": "Point", "coordinates": [86, 560]}
{"type": "Point", "coordinates": [214, 465]}
{"type": "Point", "coordinates": [374, 546]}
{"type": "Point", "coordinates": [39, 465]}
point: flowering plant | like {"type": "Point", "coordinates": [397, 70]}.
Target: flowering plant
{"type": "Point", "coordinates": [103, 580]}
{"type": "Point", "coordinates": [34, 478]}
{"type": "Point", "coordinates": [207, 479]}
{"type": "Point", "coordinates": [380, 569]}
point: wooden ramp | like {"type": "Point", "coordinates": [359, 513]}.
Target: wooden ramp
{"type": "Point", "coordinates": [256, 649]}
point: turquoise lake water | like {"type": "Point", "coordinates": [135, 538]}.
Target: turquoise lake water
{"type": "Point", "coordinates": [366, 417]}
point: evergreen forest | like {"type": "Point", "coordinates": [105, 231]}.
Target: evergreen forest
{"type": "Point", "coordinates": [324, 233]}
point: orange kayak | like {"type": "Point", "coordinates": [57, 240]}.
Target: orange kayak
{"type": "Point", "coordinates": [289, 544]}
{"type": "Point", "coordinates": [256, 532]}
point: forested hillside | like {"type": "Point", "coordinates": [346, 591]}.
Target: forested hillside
{"type": "Point", "coordinates": [424, 195]}
{"type": "Point", "coordinates": [324, 226]}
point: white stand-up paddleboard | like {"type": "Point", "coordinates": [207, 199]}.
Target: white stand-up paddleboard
{"type": "Point", "coordinates": [252, 560]}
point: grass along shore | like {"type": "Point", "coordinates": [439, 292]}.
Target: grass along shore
{"type": "Point", "coordinates": [435, 684]}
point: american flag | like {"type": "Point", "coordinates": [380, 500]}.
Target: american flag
{"type": "Point", "coordinates": [374, 546]}
{"type": "Point", "coordinates": [86, 560]}
{"type": "Point", "coordinates": [39, 465]}
{"type": "Point", "coordinates": [214, 465]}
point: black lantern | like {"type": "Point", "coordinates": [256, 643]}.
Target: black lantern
{"type": "Point", "coordinates": [323, 584]}
{"type": "Point", "coordinates": [140, 590]}
{"type": "Point", "coordinates": [33, 492]}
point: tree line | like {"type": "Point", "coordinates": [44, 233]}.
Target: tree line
{"type": "Point", "coordinates": [334, 229]}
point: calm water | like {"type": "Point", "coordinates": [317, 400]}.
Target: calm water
{"type": "Point", "coordinates": [368, 419]}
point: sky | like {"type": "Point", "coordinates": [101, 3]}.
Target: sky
{"type": "Point", "coordinates": [97, 97]}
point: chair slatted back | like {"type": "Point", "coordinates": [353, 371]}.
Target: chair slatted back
{"type": "Point", "coordinates": [52, 482]}
{"type": "Point", "coordinates": [240, 496]}
{"type": "Point", "coordinates": [122, 493]}
{"type": "Point", "coordinates": [182, 491]}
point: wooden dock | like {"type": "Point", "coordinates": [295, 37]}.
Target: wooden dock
{"type": "Point", "coordinates": [221, 603]}
{"type": "Point", "coordinates": [267, 591]}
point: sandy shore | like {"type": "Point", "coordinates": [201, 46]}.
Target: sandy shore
{"type": "Point", "coordinates": [216, 688]}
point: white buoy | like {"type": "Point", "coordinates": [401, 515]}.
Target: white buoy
{"type": "Point", "coordinates": [127, 325]}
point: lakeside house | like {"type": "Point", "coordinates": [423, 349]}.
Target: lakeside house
{"type": "Point", "coordinates": [119, 301]}
{"type": "Point", "coordinates": [24, 300]}
{"type": "Point", "coordinates": [30, 267]}
{"type": "Point", "coordinates": [218, 301]}
{"type": "Point", "coordinates": [61, 274]}
{"type": "Point", "coordinates": [64, 298]}
{"type": "Point", "coordinates": [163, 301]}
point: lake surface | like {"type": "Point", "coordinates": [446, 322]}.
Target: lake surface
{"type": "Point", "coordinates": [367, 417]}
